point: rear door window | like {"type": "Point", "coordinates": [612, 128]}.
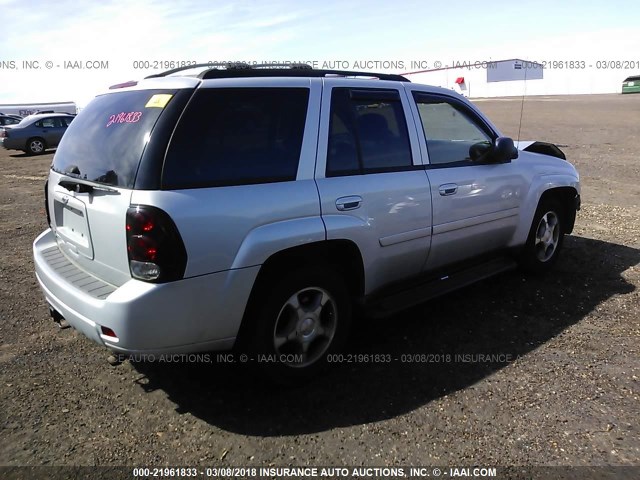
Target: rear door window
{"type": "Point", "coordinates": [46, 123]}
{"type": "Point", "coordinates": [105, 142]}
{"type": "Point", "coordinates": [368, 133]}
{"type": "Point", "coordinates": [237, 136]}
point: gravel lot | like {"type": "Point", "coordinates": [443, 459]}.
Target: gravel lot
{"type": "Point", "coordinates": [564, 391]}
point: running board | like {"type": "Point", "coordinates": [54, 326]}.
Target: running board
{"type": "Point", "coordinates": [434, 287]}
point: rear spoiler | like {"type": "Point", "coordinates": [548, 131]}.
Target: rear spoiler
{"type": "Point", "coordinates": [544, 148]}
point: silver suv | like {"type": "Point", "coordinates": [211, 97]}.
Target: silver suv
{"type": "Point", "coordinates": [263, 207]}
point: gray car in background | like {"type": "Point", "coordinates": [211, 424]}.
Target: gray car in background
{"type": "Point", "coordinates": [35, 133]}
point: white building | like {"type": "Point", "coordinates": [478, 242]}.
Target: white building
{"type": "Point", "coordinates": [515, 77]}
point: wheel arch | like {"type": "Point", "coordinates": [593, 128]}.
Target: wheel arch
{"type": "Point", "coordinates": [562, 201]}
{"type": "Point", "coordinates": [564, 187]}
{"type": "Point", "coordinates": [341, 255]}
{"type": "Point", "coordinates": [568, 197]}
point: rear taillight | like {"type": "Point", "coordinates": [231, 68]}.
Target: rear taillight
{"type": "Point", "coordinates": [155, 248]}
{"type": "Point", "coordinates": [3, 133]}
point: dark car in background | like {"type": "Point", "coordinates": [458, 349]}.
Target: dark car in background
{"type": "Point", "coordinates": [631, 84]}
{"type": "Point", "coordinates": [9, 119]}
{"type": "Point", "coordinates": [35, 133]}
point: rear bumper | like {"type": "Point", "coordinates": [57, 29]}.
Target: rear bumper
{"type": "Point", "coordinates": [10, 144]}
{"type": "Point", "coordinates": [190, 315]}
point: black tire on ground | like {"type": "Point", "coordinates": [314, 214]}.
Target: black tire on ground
{"type": "Point", "coordinates": [546, 237]}
{"type": "Point", "coordinates": [300, 318]}
{"type": "Point", "coordinates": [36, 146]}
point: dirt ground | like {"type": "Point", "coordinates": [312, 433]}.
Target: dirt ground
{"type": "Point", "coordinates": [562, 387]}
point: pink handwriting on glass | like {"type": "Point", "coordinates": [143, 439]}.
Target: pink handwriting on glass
{"type": "Point", "coordinates": [124, 117]}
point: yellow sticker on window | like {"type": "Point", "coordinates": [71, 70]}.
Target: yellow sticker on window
{"type": "Point", "coordinates": [159, 100]}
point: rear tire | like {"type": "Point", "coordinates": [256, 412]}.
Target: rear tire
{"type": "Point", "coordinates": [545, 237]}
{"type": "Point", "coordinates": [36, 146]}
{"type": "Point", "coordinates": [299, 319]}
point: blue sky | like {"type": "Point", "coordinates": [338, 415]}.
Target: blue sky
{"type": "Point", "coordinates": [348, 30]}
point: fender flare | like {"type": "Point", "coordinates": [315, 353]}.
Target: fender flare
{"type": "Point", "coordinates": [263, 241]}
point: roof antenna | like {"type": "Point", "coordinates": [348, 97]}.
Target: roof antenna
{"type": "Point", "coordinates": [524, 93]}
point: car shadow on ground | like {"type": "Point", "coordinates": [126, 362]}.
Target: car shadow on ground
{"type": "Point", "coordinates": [505, 317]}
{"type": "Point", "coordinates": [29, 155]}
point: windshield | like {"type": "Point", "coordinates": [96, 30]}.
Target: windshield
{"type": "Point", "coordinates": [105, 142]}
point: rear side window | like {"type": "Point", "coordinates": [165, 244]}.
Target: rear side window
{"type": "Point", "coordinates": [237, 136]}
{"type": "Point", "coordinates": [48, 123]}
{"type": "Point", "coordinates": [105, 142]}
{"type": "Point", "coordinates": [368, 133]}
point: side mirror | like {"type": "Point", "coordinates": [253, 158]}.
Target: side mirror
{"type": "Point", "coordinates": [503, 150]}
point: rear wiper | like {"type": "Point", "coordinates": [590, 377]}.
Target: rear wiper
{"type": "Point", "coordinates": [84, 186]}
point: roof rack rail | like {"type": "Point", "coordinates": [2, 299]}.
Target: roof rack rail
{"type": "Point", "coordinates": [241, 69]}
{"type": "Point", "coordinates": [190, 67]}
{"type": "Point", "coordinates": [299, 66]}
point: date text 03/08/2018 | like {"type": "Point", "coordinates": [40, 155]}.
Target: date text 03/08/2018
{"type": "Point", "coordinates": [313, 472]}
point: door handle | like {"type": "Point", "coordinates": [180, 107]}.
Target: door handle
{"type": "Point", "coordinates": [448, 189]}
{"type": "Point", "coordinates": [348, 203]}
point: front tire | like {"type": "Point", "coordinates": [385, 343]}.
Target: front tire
{"type": "Point", "coordinates": [35, 146]}
{"type": "Point", "coordinates": [300, 319]}
{"type": "Point", "coordinates": [545, 237]}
